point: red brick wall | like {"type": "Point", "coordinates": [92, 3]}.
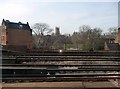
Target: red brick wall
{"type": "Point", "coordinates": [19, 37]}
{"type": "Point", "coordinates": [15, 48]}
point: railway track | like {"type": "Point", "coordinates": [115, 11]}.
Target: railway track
{"type": "Point", "coordinates": [58, 79]}
{"type": "Point", "coordinates": [65, 53]}
{"type": "Point", "coordinates": [38, 68]}
{"type": "Point", "coordinates": [59, 65]}
{"type": "Point", "coordinates": [57, 57]}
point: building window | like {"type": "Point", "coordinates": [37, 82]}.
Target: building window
{"type": "Point", "coordinates": [6, 42]}
{"type": "Point", "coordinates": [20, 26]}
{"type": "Point", "coordinates": [6, 32]}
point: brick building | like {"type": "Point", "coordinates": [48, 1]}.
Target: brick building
{"type": "Point", "coordinates": [16, 36]}
{"type": "Point", "coordinates": [113, 43]}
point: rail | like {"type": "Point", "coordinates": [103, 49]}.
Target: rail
{"type": "Point", "coordinates": [61, 68]}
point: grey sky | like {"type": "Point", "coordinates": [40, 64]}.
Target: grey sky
{"type": "Point", "coordinates": [67, 14]}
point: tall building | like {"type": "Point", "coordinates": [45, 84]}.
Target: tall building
{"type": "Point", "coordinates": [57, 31]}
{"type": "Point", "coordinates": [16, 35]}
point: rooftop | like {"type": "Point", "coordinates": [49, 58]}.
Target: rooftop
{"type": "Point", "coordinates": [14, 25]}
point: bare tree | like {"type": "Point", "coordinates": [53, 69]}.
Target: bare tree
{"type": "Point", "coordinates": [76, 39]}
{"type": "Point", "coordinates": [112, 32]}
{"type": "Point", "coordinates": [41, 29]}
{"type": "Point", "coordinates": [88, 38]}
{"type": "Point", "coordinates": [84, 28]}
{"type": "Point", "coordinates": [39, 32]}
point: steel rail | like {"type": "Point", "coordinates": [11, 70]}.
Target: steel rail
{"type": "Point", "coordinates": [38, 65]}
{"type": "Point", "coordinates": [60, 75]}
{"type": "Point", "coordinates": [61, 79]}
{"type": "Point", "coordinates": [62, 56]}
{"type": "Point", "coordinates": [57, 70]}
{"type": "Point", "coordinates": [118, 59]}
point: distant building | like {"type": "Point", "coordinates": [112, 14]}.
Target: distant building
{"type": "Point", "coordinates": [112, 46]}
{"type": "Point", "coordinates": [113, 43]}
{"type": "Point", "coordinates": [57, 31]}
{"type": "Point", "coordinates": [16, 36]}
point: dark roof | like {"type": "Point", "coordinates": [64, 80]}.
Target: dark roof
{"type": "Point", "coordinates": [14, 25]}
{"type": "Point", "coordinates": [113, 46]}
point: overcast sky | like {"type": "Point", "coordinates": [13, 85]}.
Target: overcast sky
{"type": "Point", "coordinates": [66, 14]}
